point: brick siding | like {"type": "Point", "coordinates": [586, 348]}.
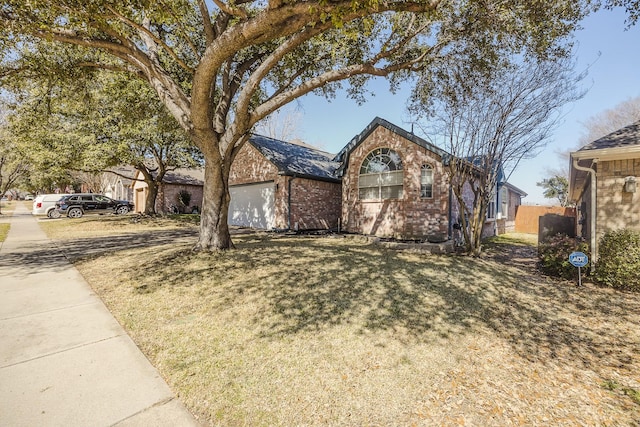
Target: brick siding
{"type": "Point", "coordinates": [315, 204]}
{"type": "Point", "coordinates": [168, 195]}
{"type": "Point", "coordinates": [410, 217]}
{"type": "Point", "coordinates": [617, 209]}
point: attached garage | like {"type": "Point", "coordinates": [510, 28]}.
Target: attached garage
{"type": "Point", "coordinates": [252, 205]}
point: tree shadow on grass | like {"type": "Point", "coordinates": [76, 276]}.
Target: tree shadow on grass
{"type": "Point", "coordinates": [420, 297]}
{"type": "Point", "coordinates": [304, 285]}
{"type": "Point", "coordinates": [55, 255]}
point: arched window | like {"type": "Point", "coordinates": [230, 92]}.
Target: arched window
{"type": "Point", "coordinates": [381, 175]}
{"type": "Point", "coordinates": [426, 181]}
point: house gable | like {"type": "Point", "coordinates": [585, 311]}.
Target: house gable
{"type": "Point", "coordinates": [343, 156]}
{"type": "Point", "coordinates": [409, 213]}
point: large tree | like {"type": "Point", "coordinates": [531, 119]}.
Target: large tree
{"type": "Point", "coordinates": [220, 67]}
{"type": "Point", "coordinates": [81, 129]}
{"type": "Point", "coordinates": [13, 167]}
{"type": "Point", "coordinates": [556, 187]}
{"type": "Point", "coordinates": [490, 123]}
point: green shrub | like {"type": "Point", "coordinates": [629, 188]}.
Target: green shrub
{"type": "Point", "coordinates": [554, 255]}
{"type": "Point", "coordinates": [618, 263]}
{"type": "Point", "coordinates": [184, 198]}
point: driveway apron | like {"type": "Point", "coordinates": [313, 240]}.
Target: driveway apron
{"type": "Point", "coordinates": [64, 359]}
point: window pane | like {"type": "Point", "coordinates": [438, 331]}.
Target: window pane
{"type": "Point", "coordinates": [426, 190]}
{"type": "Point", "coordinates": [371, 193]}
{"type": "Point", "coordinates": [391, 192]}
{"type": "Point", "coordinates": [381, 160]}
{"type": "Point", "coordinates": [426, 177]}
{"type": "Point", "coordinates": [391, 178]}
{"type": "Point", "coordinates": [368, 180]}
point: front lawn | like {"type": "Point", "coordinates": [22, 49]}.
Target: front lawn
{"type": "Point", "coordinates": [290, 330]}
{"type": "Point", "coordinates": [4, 231]}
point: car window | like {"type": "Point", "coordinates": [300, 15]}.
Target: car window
{"type": "Point", "coordinates": [88, 198]}
{"type": "Point", "coordinates": [102, 199]}
{"type": "Point", "coordinates": [73, 198]}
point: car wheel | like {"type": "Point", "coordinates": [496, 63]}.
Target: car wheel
{"type": "Point", "coordinates": [53, 214]}
{"type": "Point", "coordinates": [74, 213]}
{"type": "Point", "coordinates": [122, 210]}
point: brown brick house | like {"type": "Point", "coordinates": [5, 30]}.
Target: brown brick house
{"type": "Point", "coordinates": [385, 182]}
{"type": "Point", "coordinates": [283, 185]}
{"type": "Point", "coordinates": [394, 185]}
{"type": "Point", "coordinates": [189, 180]}
{"type": "Point", "coordinates": [602, 184]}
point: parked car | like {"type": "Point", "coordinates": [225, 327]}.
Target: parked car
{"type": "Point", "coordinates": [45, 204]}
{"type": "Point", "coordinates": [77, 205]}
{"type": "Point", "coordinates": [28, 197]}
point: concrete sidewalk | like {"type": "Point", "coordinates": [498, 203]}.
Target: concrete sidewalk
{"type": "Point", "coordinates": [64, 360]}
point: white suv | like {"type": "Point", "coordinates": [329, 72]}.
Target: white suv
{"type": "Point", "coordinates": [45, 204]}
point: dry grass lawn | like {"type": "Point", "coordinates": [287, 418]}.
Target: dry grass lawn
{"type": "Point", "coordinates": [320, 331]}
{"type": "Point", "coordinates": [4, 231]}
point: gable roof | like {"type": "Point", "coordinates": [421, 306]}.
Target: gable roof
{"type": "Point", "coordinates": [624, 140]}
{"type": "Point", "coordinates": [343, 156]}
{"type": "Point", "coordinates": [300, 160]}
{"type": "Point", "coordinates": [184, 177]}
{"type": "Point", "coordinates": [178, 177]}
{"type": "Point", "coordinates": [125, 173]}
{"type": "Point", "coordinates": [623, 144]}
{"type": "Point", "coordinates": [514, 189]}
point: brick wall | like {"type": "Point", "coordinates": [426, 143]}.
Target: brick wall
{"type": "Point", "coordinates": [168, 195]}
{"type": "Point", "coordinates": [411, 216]}
{"type": "Point", "coordinates": [314, 204]}
{"type": "Point", "coordinates": [617, 209]}
{"type": "Point", "coordinates": [251, 166]}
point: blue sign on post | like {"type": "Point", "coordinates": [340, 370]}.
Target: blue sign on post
{"type": "Point", "coordinates": [578, 259]}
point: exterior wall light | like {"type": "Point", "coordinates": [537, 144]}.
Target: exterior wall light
{"type": "Point", "coordinates": [630, 184]}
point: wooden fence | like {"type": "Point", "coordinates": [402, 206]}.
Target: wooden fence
{"type": "Point", "coordinates": [527, 217]}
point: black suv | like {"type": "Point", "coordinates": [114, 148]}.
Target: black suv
{"type": "Point", "coordinates": [76, 205]}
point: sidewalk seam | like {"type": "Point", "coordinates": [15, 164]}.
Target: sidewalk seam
{"type": "Point", "coordinates": [36, 313]}
{"type": "Point", "coordinates": [42, 356]}
{"type": "Point", "coordinates": [158, 403]}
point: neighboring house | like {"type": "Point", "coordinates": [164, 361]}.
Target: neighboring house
{"type": "Point", "coordinates": [117, 183]}
{"type": "Point", "coordinates": [283, 185]}
{"type": "Point", "coordinates": [509, 198]}
{"type": "Point", "coordinates": [602, 184]}
{"type": "Point", "coordinates": [394, 185]}
{"type": "Point", "coordinates": [190, 180]}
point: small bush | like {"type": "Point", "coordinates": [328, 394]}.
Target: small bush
{"type": "Point", "coordinates": [619, 260]}
{"type": "Point", "coordinates": [184, 198]}
{"type": "Point", "coordinates": [554, 255]}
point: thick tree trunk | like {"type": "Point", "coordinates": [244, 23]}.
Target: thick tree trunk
{"type": "Point", "coordinates": [150, 202]}
{"type": "Point", "coordinates": [214, 226]}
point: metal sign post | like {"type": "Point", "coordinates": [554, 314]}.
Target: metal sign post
{"type": "Point", "coordinates": [578, 259]}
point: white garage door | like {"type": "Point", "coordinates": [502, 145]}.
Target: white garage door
{"type": "Point", "coordinates": [252, 205]}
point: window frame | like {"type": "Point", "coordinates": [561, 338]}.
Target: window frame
{"type": "Point", "coordinates": [387, 181]}
{"type": "Point", "coordinates": [423, 188]}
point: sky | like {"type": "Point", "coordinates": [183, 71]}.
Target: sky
{"type": "Point", "coordinates": [611, 54]}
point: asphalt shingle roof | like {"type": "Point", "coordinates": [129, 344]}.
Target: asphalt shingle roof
{"type": "Point", "coordinates": [625, 137]}
{"type": "Point", "coordinates": [296, 159]}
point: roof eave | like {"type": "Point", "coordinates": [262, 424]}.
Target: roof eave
{"type": "Point", "coordinates": [608, 154]}
{"type": "Point", "coordinates": [307, 176]}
